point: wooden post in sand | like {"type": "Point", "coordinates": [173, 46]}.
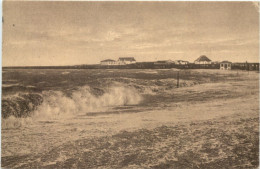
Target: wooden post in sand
{"type": "Point", "coordinates": [247, 66]}
{"type": "Point", "coordinates": [178, 79]}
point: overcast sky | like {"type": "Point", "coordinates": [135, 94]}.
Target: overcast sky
{"type": "Point", "coordinates": [71, 33]}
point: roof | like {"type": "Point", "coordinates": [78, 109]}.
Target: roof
{"type": "Point", "coordinates": [203, 58]}
{"type": "Point", "coordinates": [126, 59]}
{"type": "Point", "coordinates": [108, 60]}
{"type": "Point", "coordinates": [225, 61]}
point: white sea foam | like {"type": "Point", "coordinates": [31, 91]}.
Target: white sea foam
{"type": "Point", "coordinates": [64, 73]}
{"type": "Point", "coordinates": [11, 85]}
{"type": "Point", "coordinates": [148, 71]}
{"type": "Point", "coordinates": [30, 86]}
{"type": "Point", "coordinates": [57, 105]}
{"type": "Point", "coordinates": [13, 122]}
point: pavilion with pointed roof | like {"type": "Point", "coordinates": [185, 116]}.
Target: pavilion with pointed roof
{"type": "Point", "coordinates": [202, 60]}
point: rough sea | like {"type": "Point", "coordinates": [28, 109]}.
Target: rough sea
{"type": "Point", "coordinates": [47, 108]}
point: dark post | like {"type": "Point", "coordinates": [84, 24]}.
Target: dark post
{"type": "Point", "coordinates": [247, 65]}
{"type": "Point", "coordinates": [178, 79]}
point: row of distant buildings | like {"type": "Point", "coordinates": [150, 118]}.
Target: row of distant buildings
{"type": "Point", "coordinates": [120, 61]}
{"type": "Point", "coordinates": [203, 60]}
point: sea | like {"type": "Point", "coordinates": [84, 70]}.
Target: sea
{"type": "Point", "coordinates": [46, 108]}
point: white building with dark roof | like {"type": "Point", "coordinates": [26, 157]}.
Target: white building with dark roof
{"type": "Point", "coordinates": [181, 62]}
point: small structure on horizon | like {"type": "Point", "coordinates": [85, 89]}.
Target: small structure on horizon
{"type": "Point", "coordinates": [202, 60]}
{"type": "Point", "coordinates": [181, 62]}
{"type": "Point", "coordinates": [225, 65]}
{"type": "Point", "coordinates": [126, 60]}
{"type": "Point", "coordinates": [246, 66]}
{"type": "Point", "coordinates": [108, 62]}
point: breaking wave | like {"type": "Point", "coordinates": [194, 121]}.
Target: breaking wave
{"type": "Point", "coordinates": [49, 105]}
{"type": "Point", "coordinates": [20, 105]}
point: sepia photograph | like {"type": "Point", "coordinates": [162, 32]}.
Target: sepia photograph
{"type": "Point", "coordinates": [130, 84]}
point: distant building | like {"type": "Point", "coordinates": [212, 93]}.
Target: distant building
{"type": "Point", "coordinates": [202, 60]}
{"type": "Point", "coordinates": [126, 60]}
{"type": "Point", "coordinates": [225, 65]}
{"type": "Point", "coordinates": [246, 66]}
{"type": "Point", "coordinates": [181, 62]}
{"type": "Point", "coordinates": [108, 62]}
